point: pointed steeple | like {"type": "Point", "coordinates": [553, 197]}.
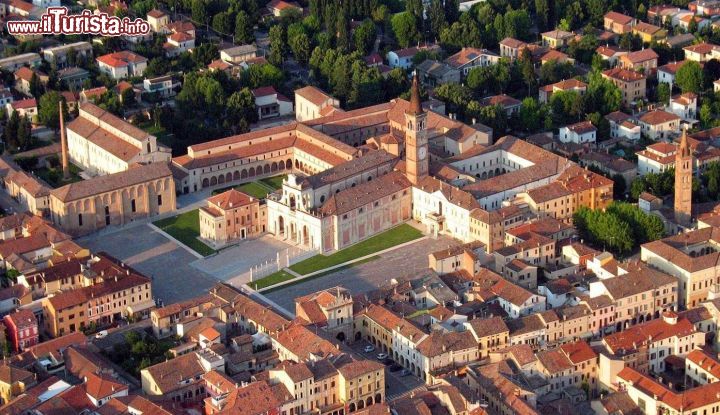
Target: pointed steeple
{"type": "Point", "coordinates": [684, 149]}
{"type": "Point", "coordinates": [415, 104]}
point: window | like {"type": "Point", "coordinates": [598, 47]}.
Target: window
{"type": "Point", "coordinates": [80, 222]}
{"type": "Point", "coordinates": [132, 206]}
{"type": "Point", "coordinates": [159, 200]}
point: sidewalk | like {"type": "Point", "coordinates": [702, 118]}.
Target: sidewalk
{"type": "Point", "coordinates": [344, 264]}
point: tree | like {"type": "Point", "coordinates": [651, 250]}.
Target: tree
{"type": "Point", "coordinates": [277, 45]}
{"type": "Point", "coordinates": [24, 133]}
{"type": "Point", "coordinates": [11, 131]}
{"type": "Point", "coordinates": [602, 95]}
{"type": "Point", "coordinates": [243, 28]}
{"type": "Point", "coordinates": [567, 107]}
{"type": "Point", "coordinates": [553, 71]}
{"type": "Point", "coordinates": [300, 45]}
{"type": "Point", "coordinates": [405, 29]}
{"type": "Point", "coordinates": [199, 12]}
{"type": "Point", "coordinates": [205, 53]}
{"type": "Point", "coordinates": [530, 114]}
{"type": "Point", "coordinates": [663, 92]}
{"type": "Point", "coordinates": [36, 86]}
{"type": "Point", "coordinates": [223, 23]}
{"type": "Point", "coordinates": [711, 180]}
{"type": "Point", "coordinates": [689, 77]}
{"type": "Point", "coordinates": [542, 11]}
{"type": "Point", "coordinates": [517, 24]}
{"type": "Point", "coordinates": [396, 83]}
{"type": "Point", "coordinates": [48, 112]}
{"type": "Point", "coordinates": [127, 96]}
{"type": "Point", "coordinates": [705, 114]}
{"type": "Point", "coordinates": [619, 187]}
{"type": "Point", "coordinates": [436, 17]}
{"type": "Point", "coordinates": [343, 34]}
{"type": "Point", "coordinates": [364, 37]}
{"type": "Point", "coordinates": [241, 108]}
{"type": "Point", "coordinates": [263, 75]}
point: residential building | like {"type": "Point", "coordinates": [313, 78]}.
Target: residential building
{"type": "Point", "coordinates": [579, 133]}
{"type": "Point", "coordinates": [618, 22]}
{"type": "Point", "coordinates": [58, 55]}
{"type": "Point", "coordinates": [468, 58]}
{"type": "Point", "coordinates": [161, 87]}
{"type": "Point", "coordinates": [545, 92]}
{"type": "Point", "coordinates": [22, 329]}
{"type": "Point", "coordinates": [123, 64]}
{"type": "Point", "coordinates": [656, 158]}
{"type": "Point", "coordinates": [433, 73]}
{"type": "Point", "coordinates": [644, 61]}
{"type": "Point", "coordinates": [659, 124]}
{"type": "Point", "coordinates": [649, 33]}
{"type": "Point", "coordinates": [270, 103]}
{"type": "Point", "coordinates": [557, 38]}
{"type": "Point", "coordinates": [631, 84]}
{"type": "Point", "coordinates": [158, 20]}
{"type": "Point", "coordinates": [238, 54]}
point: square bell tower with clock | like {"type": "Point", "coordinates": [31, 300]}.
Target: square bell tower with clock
{"type": "Point", "coordinates": [416, 144]}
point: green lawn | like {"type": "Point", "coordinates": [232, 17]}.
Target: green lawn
{"type": "Point", "coordinates": [274, 182]}
{"type": "Point", "coordinates": [396, 236]}
{"type": "Point", "coordinates": [53, 175]}
{"type": "Point", "coordinates": [272, 279]}
{"type": "Point", "coordinates": [322, 274]}
{"type": "Point", "coordinates": [253, 189]}
{"type": "Point", "coordinates": [186, 228]}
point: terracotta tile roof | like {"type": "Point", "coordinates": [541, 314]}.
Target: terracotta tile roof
{"type": "Point", "coordinates": [609, 51]}
{"type": "Point", "coordinates": [365, 193]}
{"type": "Point", "coordinates": [391, 322]}
{"type": "Point", "coordinates": [438, 343]}
{"type": "Point", "coordinates": [9, 375]}
{"type": "Point", "coordinates": [513, 43]}
{"type": "Point", "coordinates": [257, 398]}
{"type": "Point", "coordinates": [22, 319]}
{"type": "Point", "coordinates": [169, 375]}
{"type": "Point", "coordinates": [121, 59]}
{"type": "Point", "coordinates": [554, 361]}
{"type": "Point", "coordinates": [689, 400]}
{"type": "Point", "coordinates": [554, 55]}
{"type": "Point", "coordinates": [672, 249]}
{"type": "Point", "coordinates": [24, 104]}
{"type": "Point", "coordinates": [578, 352]}
{"type": "Point", "coordinates": [72, 401]}
{"type": "Point", "coordinates": [368, 161]}
{"type": "Point", "coordinates": [156, 13]}
{"type": "Point", "coordinates": [526, 324]}
{"type": "Point", "coordinates": [637, 282]}
{"type": "Point", "coordinates": [672, 67]}
{"type": "Point", "coordinates": [484, 327]}
{"type": "Point", "coordinates": [132, 404]}
{"type": "Point", "coordinates": [98, 115]}
{"type": "Point", "coordinates": [110, 182]}
{"type": "Point", "coordinates": [466, 55]}
{"type": "Point", "coordinates": [24, 73]}
{"type": "Point", "coordinates": [643, 27]}
{"type": "Point", "coordinates": [641, 56]}
{"type": "Point", "coordinates": [313, 94]}
{"type": "Point", "coordinates": [623, 75]}
{"type": "Point", "coordinates": [701, 48]}
{"type": "Point", "coordinates": [656, 330]}
{"type": "Point", "coordinates": [357, 368]}
{"type": "Point", "coordinates": [303, 343]}
{"type": "Point", "coordinates": [231, 199]}
{"type": "Point", "coordinates": [656, 117]}
{"type": "Point", "coordinates": [104, 139]}
{"type": "Point", "coordinates": [557, 34]}
{"type": "Point", "coordinates": [25, 245]}
{"type": "Point", "coordinates": [102, 386]}
{"type": "Point", "coordinates": [504, 100]}
{"type": "Point", "coordinates": [181, 26]}
{"type": "Point", "coordinates": [619, 17]}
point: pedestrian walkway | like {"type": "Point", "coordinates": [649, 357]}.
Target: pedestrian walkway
{"type": "Point", "coordinates": [170, 237]}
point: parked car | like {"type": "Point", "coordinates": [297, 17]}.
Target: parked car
{"type": "Point", "coordinates": [382, 356]}
{"type": "Point", "coordinates": [101, 334]}
{"type": "Point", "coordinates": [369, 348]}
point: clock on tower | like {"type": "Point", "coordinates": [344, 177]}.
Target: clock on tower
{"type": "Point", "coordinates": [416, 162]}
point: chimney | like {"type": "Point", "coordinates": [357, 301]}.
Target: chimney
{"type": "Point", "coordinates": [63, 144]}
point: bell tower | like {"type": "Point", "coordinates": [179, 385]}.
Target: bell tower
{"type": "Point", "coordinates": [416, 144]}
{"type": "Point", "coordinates": [683, 181]}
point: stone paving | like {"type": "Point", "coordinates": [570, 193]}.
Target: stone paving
{"type": "Point", "coordinates": [168, 264]}
{"type": "Point", "coordinates": [369, 275]}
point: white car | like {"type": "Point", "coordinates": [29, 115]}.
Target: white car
{"type": "Point", "coordinates": [101, 334]}
{"type": "Point", "coordinates": [369, 348]}
{"type": "Point", "coordinates": [382, 356]}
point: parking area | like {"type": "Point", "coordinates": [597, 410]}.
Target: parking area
{"type": "Point", "coordinates": [168, 264]}
{"type": "Point", "coordinates": [402, 262]}
{"type": "Point", "coordinates": [398, 381]}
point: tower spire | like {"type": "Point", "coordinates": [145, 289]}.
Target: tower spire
{"type": "Point", "coordinates": [415, 104]}
{"type": "Point", "coordinates": [683, 181]}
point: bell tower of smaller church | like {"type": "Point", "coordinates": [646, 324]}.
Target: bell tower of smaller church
{"type": "Point", "coordinates": [683, 181]}
{"type": "Point", "coordinates": [416, 143]}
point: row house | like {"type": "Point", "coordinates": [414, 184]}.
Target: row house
{"type": "Point", "coordinates": [180, 379]}
{"type": "Point", "coordinates": [640, 295]}
{"type": "Point", "coordinates": [651, 342]}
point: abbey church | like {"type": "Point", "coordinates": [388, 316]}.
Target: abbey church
{"type": "Point", "coordinates": [352, 175]}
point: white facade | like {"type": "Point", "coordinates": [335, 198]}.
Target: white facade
{"type": "Point", "coordinates": [568, 135]}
